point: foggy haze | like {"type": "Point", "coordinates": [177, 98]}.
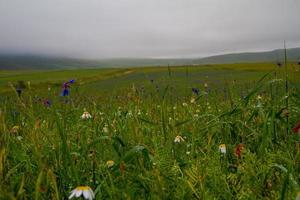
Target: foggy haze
{"type": "Point", "coordinates": [146, 28]}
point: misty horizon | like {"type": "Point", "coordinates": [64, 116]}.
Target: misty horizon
{"type": "Point", "coordinates": [150, 29]}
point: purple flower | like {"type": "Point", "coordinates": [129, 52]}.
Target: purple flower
{"type": "Point", "coordinates": [47, 102]}
{"type": "Point", "coordinates": [65, 92]}
{"type": "Point", "coordinates": [71, 81]}
{"type": "Point", "coordinates": [195, 91]}
{"type": "Point", "coordinates": [65, 85]}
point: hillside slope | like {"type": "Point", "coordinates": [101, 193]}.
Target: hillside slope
{"type": "Point", "coordinates": [43, 62]}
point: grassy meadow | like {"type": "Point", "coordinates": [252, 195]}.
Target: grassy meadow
{"type": "Point", "coordinates": [154, 132]}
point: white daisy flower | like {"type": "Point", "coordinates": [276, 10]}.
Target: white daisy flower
{"type": "Point", "coordinates": [86, 115]}
{"type": "Point", "coordinates": [222, 148]}
{"type": "Point", "coordinates": [178, 139]}
{"type": "Point", "coordinates": [85, 191]}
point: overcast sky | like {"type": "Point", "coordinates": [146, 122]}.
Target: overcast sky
{"type": "Point", "coordinates": [146, 28]}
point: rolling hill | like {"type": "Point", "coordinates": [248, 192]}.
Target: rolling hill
{"type": "Point", "coordinates": [44, 62]}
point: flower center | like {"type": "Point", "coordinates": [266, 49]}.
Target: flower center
{"type": "Point", "coordinates": [83, 188]}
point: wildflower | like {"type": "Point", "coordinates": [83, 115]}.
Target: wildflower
{"type": "Point", "coordinates": [19, 138]}
{"type": "Point", "coordinates": [285, 112]}
{"type": "Point", "coordinates": [195, 91]}
{"type": "Point", "coordinates": [222, 148]}
{"type": "Point", "coordinates": [65, 88]}
{"type": "Point", "coordinates": [47, 103]}
{"type": "Point", "coordinates": [110, 163]}
{"type": "Point", "coordinates": [105, 129]}
{"type": "Point", "coordinates": [184, 104]}
{"type": "Point", "coordinates": [188, 153]}
{"type": "Point", "coordinates": [85, 191]}
{"type": "Point", "coordinates": [193, 100]}
{"type": "Point", "coordinates": [122, 167]}
{"type": "Point", "coordinates": [259, 97]}
{"type": "Point", "coordinates": [15, 129]}
{"type": "Point", "coordinates": [129, 113]}
{"type": "Point", "coordinates": [205, 85]}
{"type": "Point", "coordinates": [178, 139]}
{"type": "Point", "coordinates": [37, 124]}
{"type": "Point", "coordinates": [238, 150]}
{"type": "Point", "coordinates": [296, 129]}
{"type": "Point", "coordinates": [298, 195]}
{"type": "Point", "coordinates": [86, 115]}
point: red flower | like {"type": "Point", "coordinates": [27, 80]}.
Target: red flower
{"type": "Point", "coordinates": [238, 150]}
{"type": "Point", "coordinates": [296, 129]}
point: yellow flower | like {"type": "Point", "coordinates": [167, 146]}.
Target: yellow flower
{"type": "Point", "coordinates": [85, 191]}
{"type": "Point", "coordinates": [110, 163]}
{"type": "Point", "coordinates": [178, 139]}
{"type": "Point", "coordinates": [222, 148]}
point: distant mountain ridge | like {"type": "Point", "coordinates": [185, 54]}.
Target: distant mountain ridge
{"type": "Point", "coordinates": [44, 62]}
{"type": "Point", "coordinates": [277, 55]}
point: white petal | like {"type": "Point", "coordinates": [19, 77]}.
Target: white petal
{"type": "Point", "coordinates": [73, 192]}
{"type": "Point", "coordinates": [92, 193]}
{"type": "Point", "coordinates": [78, 193]}
{"type": "Point", "coordinates": [86, 194]}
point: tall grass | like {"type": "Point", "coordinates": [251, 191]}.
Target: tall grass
{"type": "Point", "coordinates": [54, 150]}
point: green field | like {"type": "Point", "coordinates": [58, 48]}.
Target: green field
{"type": "Point", "coordinates": [137, 114]}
